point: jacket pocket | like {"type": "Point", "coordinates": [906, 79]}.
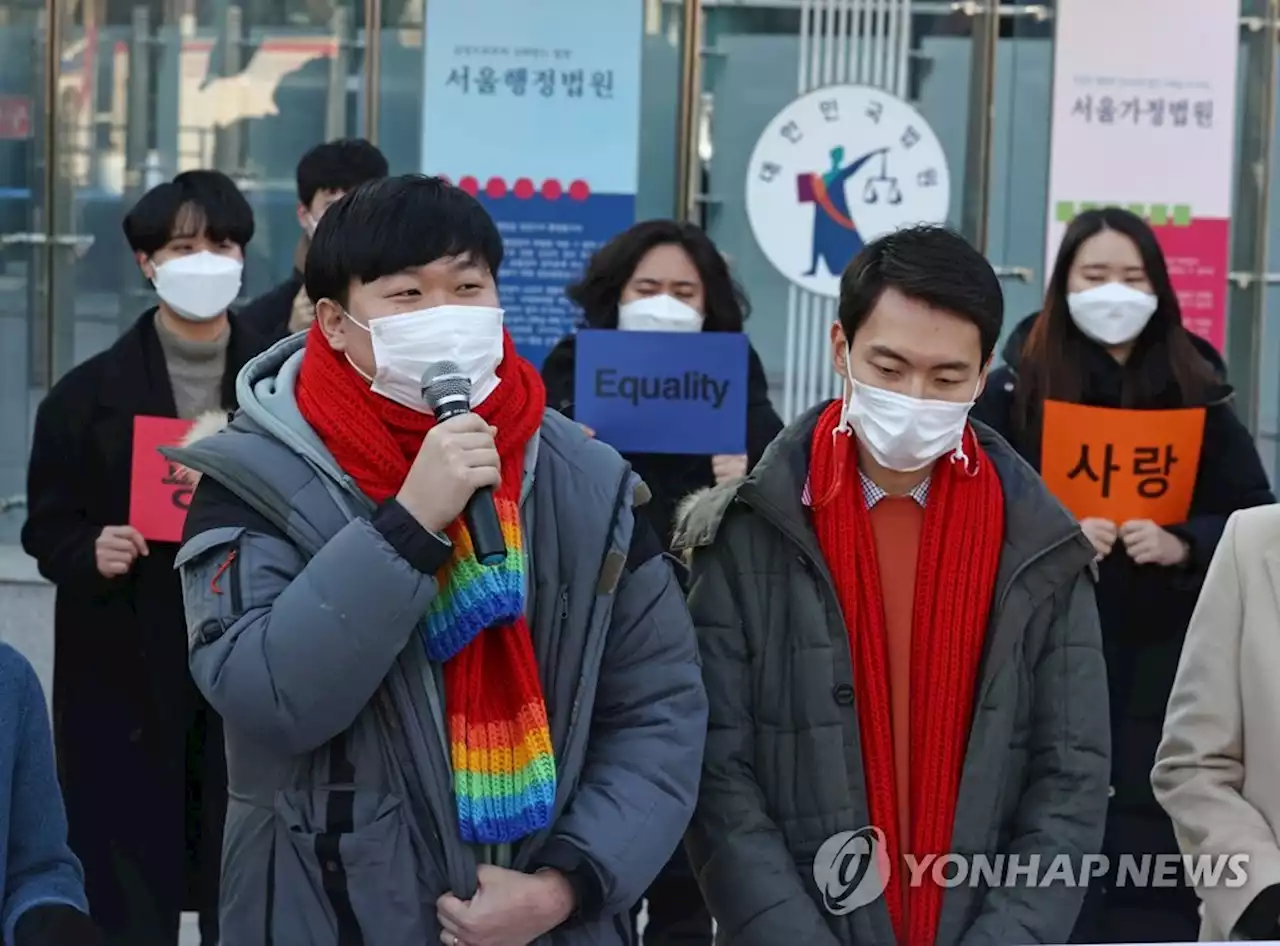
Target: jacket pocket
{"type": "Point", "coordinates": [343, 872]}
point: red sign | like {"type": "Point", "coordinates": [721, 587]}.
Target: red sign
{"type": "Point", "coordinates": [15, 117]}
{"type": "Point", "coordinates": [158, 495]}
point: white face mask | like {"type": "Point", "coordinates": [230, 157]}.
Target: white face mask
{"type": "Point", "coordinates": [310, 224]}
{"type": "Point", "coordinates": [658, 314]}
{"type": "Point", "coordinates": [905, 433]}
{"type": "Point", "coordinates": [404, 346]}
{"type": "Point", "coordinates": [199, 287]}
{"type": "Point", "coordinates": [1111, 314]}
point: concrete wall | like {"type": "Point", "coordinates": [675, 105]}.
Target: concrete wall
{"type": "Point", "coordinates": [26, 611]}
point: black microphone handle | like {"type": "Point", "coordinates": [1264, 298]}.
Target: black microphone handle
{"type": "Point", "coordinates": [481, 514]}
{"type": "Point", "coordinates": [481, 519]}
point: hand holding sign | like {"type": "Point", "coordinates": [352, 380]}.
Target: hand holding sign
{"type": "Point", "coordinates": [1148, 544]}
{"type": "Point", "coordinates": [116, 549]}
{"type": "Point", "coordinates": [727, 467]}
{"type": "Point", "coordinates": [1101, 533]}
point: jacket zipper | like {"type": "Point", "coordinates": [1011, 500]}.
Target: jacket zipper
{"type": "Point", "coordinates": [233, 578]}
{"type": "Point", "coordinates": [574, 721]}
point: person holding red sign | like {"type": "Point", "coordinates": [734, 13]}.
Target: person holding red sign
{"type": "Point", "coordinates": [139, 749]}
{"type": "Point", "coordinates": [1110, 336]}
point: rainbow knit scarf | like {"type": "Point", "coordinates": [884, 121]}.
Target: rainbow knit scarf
{"type": "Point", "coordinates": [500, 743]}
{"type": "Point", "coordinates": [504, 771]}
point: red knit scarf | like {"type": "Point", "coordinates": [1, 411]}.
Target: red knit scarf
{"type": "Point", "coordinates": [955, 578]}
{"type": "Point", "coordinates": [504, 770]}
{"type": "Point", "coordinates": [375, 440]}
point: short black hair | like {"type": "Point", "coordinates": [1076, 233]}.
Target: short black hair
{"type": "Point", "coordinates": [932, 265]}
{"type": "Point", "coordinates": [613, 265]}
{"type": "Point", "coordinates": [192, 202]}
{"type": "Point", "coordinates": [339, 166]}
{"type": "Point", "coordinates": [393, 224]}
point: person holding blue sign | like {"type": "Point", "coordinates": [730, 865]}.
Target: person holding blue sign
{"type": "Point", "coordinates": [664, 278]}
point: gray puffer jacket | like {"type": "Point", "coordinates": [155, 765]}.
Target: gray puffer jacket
{"type": "Point", "coordinates": [303, 619]}
{"type": "Point", "coordinates": [783, 769]}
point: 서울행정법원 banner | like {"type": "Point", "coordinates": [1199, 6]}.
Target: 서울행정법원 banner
{"type": "Point", "coordinates": [535, 109]}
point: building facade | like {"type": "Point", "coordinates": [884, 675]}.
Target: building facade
{"type": "Point", "coordinates": [100, 99]}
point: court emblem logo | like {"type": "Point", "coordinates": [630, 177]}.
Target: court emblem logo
{"type": "Point", "coordinates": [835, 169]}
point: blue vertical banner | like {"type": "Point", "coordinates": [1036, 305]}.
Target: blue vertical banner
{"type": "Point", "coordinates": [534, 107]}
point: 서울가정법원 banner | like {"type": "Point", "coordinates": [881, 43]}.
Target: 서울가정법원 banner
{"type": "Point", "coordinates": [1144, 118]}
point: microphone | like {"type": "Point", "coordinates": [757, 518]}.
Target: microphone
{"type": "Point", "coordinates": [447, 391]}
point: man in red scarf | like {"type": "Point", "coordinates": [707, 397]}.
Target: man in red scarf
{"type": "Point", "coordinates": [429, 743]}
{"type": "Point", "coordinates": [900, 646]}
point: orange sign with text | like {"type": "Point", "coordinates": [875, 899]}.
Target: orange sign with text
{"type": "Point", "coordinates": [158, 495]}
{"type": "Point", "coordinates": [1121, 465]}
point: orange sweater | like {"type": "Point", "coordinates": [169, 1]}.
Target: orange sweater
{"type": "Point", "coordinates": [896, 523]}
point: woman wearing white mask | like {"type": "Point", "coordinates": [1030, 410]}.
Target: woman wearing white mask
{"type": "Point", "coordinates": [125, 709]}
{"type": "Point", "coordinates": [664, 276]}
{"type": "Point", "coordinates": [1111, 335]}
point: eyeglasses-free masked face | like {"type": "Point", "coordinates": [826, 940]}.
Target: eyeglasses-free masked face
{"type": "Point", "coordinates": [666, 270]}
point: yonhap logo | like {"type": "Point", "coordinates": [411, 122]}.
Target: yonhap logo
{"type": "Point", "coordinates": [852, 869]}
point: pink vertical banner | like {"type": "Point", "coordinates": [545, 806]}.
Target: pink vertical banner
{"type": "Point", "coordinates": [1197, 255]}
{"type": "Point", "coordinates": [1144, 118]}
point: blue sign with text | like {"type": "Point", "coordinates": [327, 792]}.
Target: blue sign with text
{"type": "Point", "coordinates": [663, 392]}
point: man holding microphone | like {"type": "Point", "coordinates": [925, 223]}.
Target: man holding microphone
{"type": "Point", "coordinates": [426, 742]}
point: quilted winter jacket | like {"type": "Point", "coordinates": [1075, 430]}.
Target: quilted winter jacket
{"type": "Point", "coordinates": [783, 768]}
{"type": "Point", "coordinates": [342, 827]}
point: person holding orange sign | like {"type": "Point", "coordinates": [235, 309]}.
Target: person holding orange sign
{"type": "Point", "coordinates": [1128, 418]}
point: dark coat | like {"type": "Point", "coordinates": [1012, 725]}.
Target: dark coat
{"type": "Point", "coordinates": [1145, 610]}
{"type": "Point", "coordinates": [139, 751]}
{"type": "Point", "coordinates": [671, 477]}
{"type": "Point", "coordinates": [268, 314]}
{"type": "Point", "coordinates": [676, 913]}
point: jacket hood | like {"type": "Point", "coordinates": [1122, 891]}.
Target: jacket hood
{"type": "Point", "coordinates": [265, 392]}
{"type": "Point", "coordinates": [202, 428]}
{"type": "Point", "coordinates": [1035, 521]}
{"type": "Point", "coordinates": [1012, 351]}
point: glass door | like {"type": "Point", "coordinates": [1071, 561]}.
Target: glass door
{"type": "Point", "coordinates": [152, 88]}
{"type": "Point", "coordinates": [28, 238]}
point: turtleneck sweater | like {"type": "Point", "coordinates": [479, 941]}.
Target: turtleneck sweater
{"type": "Point", "coordinates": [195, 369]}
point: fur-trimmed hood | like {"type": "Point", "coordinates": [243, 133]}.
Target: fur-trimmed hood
{"type": "Point", "coordinates": [203, 427]}
{"type": "Point", "coordinates": [698, 516]}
